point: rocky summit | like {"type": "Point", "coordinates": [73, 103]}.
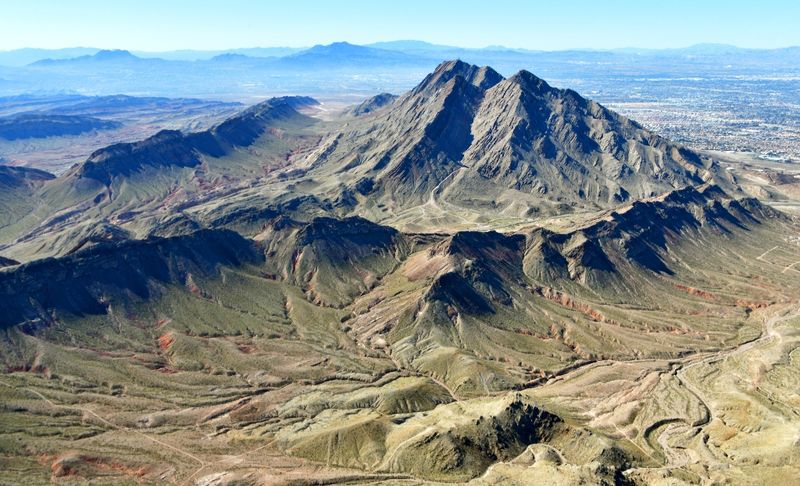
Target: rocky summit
{"type": "Point", "coordinates": [483, 280]}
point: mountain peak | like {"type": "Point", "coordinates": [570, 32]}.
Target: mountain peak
{"type": "Point", "coordinates": [482, 77]}
{"type": "Point", "coordinates": [341, 44]}
{"type": "Point", "coordinates": [280, 104]}
{"type": "Point", "coordinates": [114, 55]}
{"type": "Point", "coordinates": [530, 81]}
{"type": "Point", "coordinates": [14, 177]}
{"type": "Point", "coordinates": [101, 56]}
{"type": "Point", "coordinates": [339, 54]}
{"type": "Point", "coordinates": [374, 103]}
{"type": "Point", "coordinates": [334, 48]}
{"type": "Point", "coordinates": [230, 57]}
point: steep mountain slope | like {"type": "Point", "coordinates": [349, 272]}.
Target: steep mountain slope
{"type": "Point", "coordinates": [375, 298]}
{"type": "Point", "coordinates": [466, 137]}
{"type": "Point", "coordinates": [532, 137]}
{"type": "Point", "coordinates": [480, 297]}
{"type": "Point", "coordinates": [18, 188]}
{"type": "Point", "coordinates": [350, 333]}
{"type": "Point", "coordinates": [132, 183]}
{"type": "Point", "coordinates": [408, 150]}
{"type": "Point", "coordinates": [84, 282]}
{"type": "Point", "coordinates": [174, 148]}
{"type": "Point", "coordinates": [25, 126]}
{"type": "Point", "coordinates": [462, 149]}
{"type": "Point", "coordinates": [332, 260]}
{"type": "Point", "coordinates": [14, 177]}
{"type": "Point", "coordinates": [371, 104]}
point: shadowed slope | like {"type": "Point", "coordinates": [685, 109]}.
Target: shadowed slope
{"type": "Point", "coordinates": [490, 305]}
{"type": "Point", "coordinates": [332, 260]}
{"type": "Point", "coordinates": [171, 147]}
{"type": "Point", "coordinates": [465, 140]}
{"type": "Point", "coordinates": [84, 282]}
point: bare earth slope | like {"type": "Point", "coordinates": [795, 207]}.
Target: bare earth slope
{"type": "Point", "coordinates": [484, 281]}
{"type": "Point", "coordinates": [465, 149]}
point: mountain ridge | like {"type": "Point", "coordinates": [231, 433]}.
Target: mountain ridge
{"type": "Point", "coordinates": [484, 279]}
{"type": "Point", "coordinates": [176, 148]}
{"type": "Point", "coordinates": [517, 134]}
{"type": "Point", "coordinates": [103, 55]}
{"type": "Point", "coordinates": [462, 147]}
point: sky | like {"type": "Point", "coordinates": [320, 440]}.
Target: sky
{"type": "Point", "coordinates": [162, 25]}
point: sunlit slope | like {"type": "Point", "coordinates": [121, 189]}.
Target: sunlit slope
{"type": "Point", "coordinates": [361, 338]}
{"type": "Point", "coordinates": [465, 149]}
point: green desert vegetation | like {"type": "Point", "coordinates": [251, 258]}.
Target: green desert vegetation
{"type": "Point", "coordinates": [421, 362]}
{"type": "Point", "coordinates": [283, 299]}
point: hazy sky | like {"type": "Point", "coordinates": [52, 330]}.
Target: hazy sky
{"type": "Point", "coordinates": [156, 25]}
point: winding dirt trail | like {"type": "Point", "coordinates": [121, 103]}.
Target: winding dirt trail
{"type": "Point", "coordinates": [432, 199]}
{"type": "Point", "coordinates": [433, 203]}
{"type": "Point", "coordinates": [768, 335]}
{"type": "Point", "coordinates": [761, 256]}
{"type": "Point", "coordinates": [228, 459]}
{"type": "Point", "coordinates": [439, 382]}
{"type": "Point", "coordinates": [115, 426]}
{"type": "Point", "coordinates": [790, 266]}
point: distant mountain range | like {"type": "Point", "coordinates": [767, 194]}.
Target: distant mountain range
{"type": "Point", "coordinates": [354, 71]}
{"type": "Point", "coordinates": [463, 146]}
{"type": "Point", "coordinates": [25, 56]}
{"type": "Point", "coordinates": [43, 125]}
{"type": "Point", "coordinates": [330, 56]}
{"type": "Point", "coordinates": [485, 278]}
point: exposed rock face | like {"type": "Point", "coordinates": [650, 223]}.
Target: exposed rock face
{"type": "Point", "coordinates": [483, 264]}
{"type": "Point", "coordinates": [451, 441]}
{"type": "Point", "coordinates": [638, 235]}
{"type": "Point", "coordinates": [171, 148]}
{"type": "Point", "coordinates": [481, 77]}
{"type": "Point", "coordinates": [202, 288]}
{"type": "Point", "coordinates": [372, 104]}
{"type": "Point", "coordinates": [167, 147]}
{"type": "Point", "coordinates": [466, 450]}
{"type": "Point", "coordinates": [515, 134]}
{"type": "Point", "coordinates": [336, 260]}
{"type": "Point", "coordinates": [418, 142]}
{"type": "Point", "coordinates": [482, 283]}
{"type": "Point", "coordinates": [96, 234]}
{"type": "Point", "coordinates": [16, 177]}
{"type": "Point", "coordinates": [175, 225]}
{"type": "Point", "coordinates": [82, 282]}
{"type": "Point", "coordinates": [463, 147]}
{"type": "Point", "coordinates": [333, 260]}
{"type": "Point", "coordinates": [532, 137]}
{"type": "Point", "coordinates": [24, 126]}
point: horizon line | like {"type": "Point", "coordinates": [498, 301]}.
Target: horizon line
{"type": "Point", "coordinates": [488, 47]}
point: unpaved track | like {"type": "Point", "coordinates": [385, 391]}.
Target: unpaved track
{"type": "Point", "coordinates": [768, 334]}
{"type": "Point", "coordinates": [113, 425]}
{"type": "Point", "coordinates": [790, 266]}
{"type": "Point", "coordinates": [439, 382]}
{"type": "Point", "coordinates": [224, 460]}
{"type": "Point", "coordinates": [761, 256]}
